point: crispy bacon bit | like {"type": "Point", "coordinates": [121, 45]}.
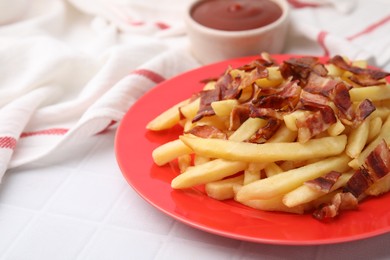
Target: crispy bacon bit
{"type": "Point", "coordinates": [365, 108]}
{"type": "Point", "coordinates": [207, 131]}
{"type": "Point", "coordinates": [238, 116]}
{"type": "Point", "coordinates": [342, 101]}
{"type": "Point", "coordinates": [228, 87]}
{"type": "Point", "coordinates": [378, 161]}
{"type": "Point", "coordinates": [363, 77]}
{"type": "Point", "coordinates": [206, 98]}
{"type": "Point", "coordinates": [320, 85]}
{"type": "Point", "coordinates": [359, 182]}
{"type": "Point", "coordinates": [319, 120]}
{"type": "Point", "coordinates": [340, 201]}
{"type": "Point", "coordinates": [301, 68]}
{"type": "Point", "coordinates": [377, 165]}
{"type": "Point", "coordinates": [266, 132]}
{"type": "Point", "coordinates": [255, 74]}
{"type": "Point", "coordinates": [258, 64]}
{"type": "Point", "coordinates": [324, 183]}
{"type": "Point", "coordinates": [310, 98]}
{"type": "Point", "coordinates": [265, 113]}
{"type": "Point", "coordinates": [285, 99]}
{"type": "Point", "coordinates": [367, 79]}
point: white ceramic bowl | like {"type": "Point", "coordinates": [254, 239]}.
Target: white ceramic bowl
{"type": "Point", "coordinates": [211, 45]}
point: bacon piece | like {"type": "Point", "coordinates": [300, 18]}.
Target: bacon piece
{"type": "Point", "coordinates": [207, 131]}
{"type": "Point", "coordinates": [359, 182]}
{"type": "Point", "coordinates": [320, 119]}
{"type": "Point", "coordinates": [266, 132]}
{"type": "Point", "coordinates": [340, 201]}
{"type": "Point", "coordinates": [378, 161]}
{"type": "Point", "coordinates": [301, 68]}
{"type": "Point", "coordinates": [365, 108]}
{"type": "Point", "coordinates": [367, 79]}
{"type": "Point", "coordinates": [342, 101]}
{"type": "Point", "coordinates": [206, 98]}
{"type": "Point", "coordinates": [311, 98]}
{"type": "Point", "coordinates": [228, 87]}
{"type": "Point", "coordinates": [362, 76]}
{"type": "Point", "coordinates": [256, 64]}
{"type": "Point", "coordinates": [320, 85]}
{"type": "Point", "coordinates": [377, 165]}
{"type": "Point", "coordinates": [239, 115]}
{"type": "Point", "coordinates": [324, 183]}
{"type": "Point", "coordinates": [285, 99]}
{"type": "Point", "coordinates": [255, 74]}
{"type": "Point", "coordinates": [265, 113]}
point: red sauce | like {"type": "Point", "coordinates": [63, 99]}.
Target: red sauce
{"type": "Point", "coordinates": [236, 15]}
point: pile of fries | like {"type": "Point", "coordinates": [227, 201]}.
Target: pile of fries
{"type": "Point", "coordinates": [295, 136]}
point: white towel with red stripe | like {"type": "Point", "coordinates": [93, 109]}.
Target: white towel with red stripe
{"type": "Point", "coordinates": [71, 69]}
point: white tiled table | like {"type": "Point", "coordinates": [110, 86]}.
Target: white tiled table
{"type": "Point", "coordinates": [82, 208]}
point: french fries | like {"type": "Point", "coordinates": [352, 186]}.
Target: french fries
{"type": "Point", "coordinates": [282, 183]}
{"type": "Point", "coordinates": [267, 152]}
{"type": "Point", "coordinates": [207, 172]}
{"type": "Point", "coordinates": [263, 145]}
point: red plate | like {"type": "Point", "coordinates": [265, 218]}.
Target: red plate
{"type": "Point", "coordinates": [134, 145]}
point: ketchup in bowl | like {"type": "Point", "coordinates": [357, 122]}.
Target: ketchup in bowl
{"type": "Point", "coordinates": [236, 15]}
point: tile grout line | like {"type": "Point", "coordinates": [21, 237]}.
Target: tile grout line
{"type": "Point", "coordinates": [169, 238]}
{"type": "Point", "coordinates": [38, 213]}
{"type": "Point", "coordinates": [101, 223]}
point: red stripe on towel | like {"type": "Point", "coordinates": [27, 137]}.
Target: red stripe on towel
{"type": "Point", "coordinates": [321, 41]}
{"type": "Point", "coordinates": [162, 26]}
{"type": "Point", "coordinates": [51, 131]}
{"type": "Point", "coordinates": [7, 142]}
{"type": "Point", "coordinates": [370, 28]}
{"type": "Point", "coordinates": [151, 75]}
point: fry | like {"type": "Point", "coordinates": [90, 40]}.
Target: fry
{"type": "Point", "coordinates": [189, 110]}
{"type": "Point", "coordinates": [272, 169]}
{"type": "Point", "coordinates": [273, 80]}
{"type": "Point", "coordinates": [357, 139]}
{"type": "Point", "coordinates": [384, 134]}
{"type": "Point", "coordinates": [267, 152]}
{"type": "Point", "coordinates": [374, 93]}
{"type": "Point", "coordinates": [253, 172]}
{"type": "Point", "coordinates": [304, 194]}
{"type": "Point", "coordinates": [200, 159]}
{"type": "Point", "coordinates": [291, 119]}
{"type": "Point", "coordinates": [379, 187]}
{"type": "Point", "coordinates": [375, 128]}
{"type": "Point", "coordinates": [284, 182]}
{"type": "Point", "coordinates": [273, 204]}
{"type": "Point", "coordinates": [169, 151]}
{"type": "Point", "coordinates": [184, 161]}
{"type": "Point", "coordinates": [207, 172]}
{"type": "Point", "coordinates": [336, 129]}
{"type": "Point", "coordinates": [167, 119]}
{"type": "Point", "coordinates": [283, 134]}
{"type": "Point", "coordinates": [247, 129]}
{"type": "Point", "coordinates": [223, 189]}
{"type": "Point", "coordinates": [224, 107]}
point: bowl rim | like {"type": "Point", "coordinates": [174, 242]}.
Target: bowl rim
{"type": "Point", "coordinates": [283, 4]}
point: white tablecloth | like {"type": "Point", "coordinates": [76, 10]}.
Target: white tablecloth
{"type": "Point", "coordinates": [62, 195]}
